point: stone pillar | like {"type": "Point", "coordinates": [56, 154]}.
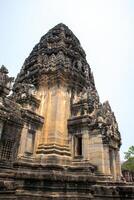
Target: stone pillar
{"type": "Point", "coordinates": [112, 163]}
{"type": "Point", "coordinates": [85, 145]}
{"type": "Point", "coordinates": [22, 147]}
{"type": "Point", "coordinates": [96, 151]}
{"type": "Point", "coordinates": [30, 139]}
{"type": "Point", "coordinates": [118, 165]}
{"type": "Point", "coordinates": [106, 160]}
{"type": "Point", "coordinates": [1, 128]}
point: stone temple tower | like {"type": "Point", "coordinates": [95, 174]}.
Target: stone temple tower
{"type": "Point", "coordinates": [56, 137]}
{"type": "Point", "coordinates": [76, 127]}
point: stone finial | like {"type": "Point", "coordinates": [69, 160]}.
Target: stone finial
{"type": "Point", "coordinates": [5, 81]}
{"type": "Point", "coordinates": [3, 70]}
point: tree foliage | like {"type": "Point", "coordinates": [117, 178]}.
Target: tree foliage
{"type": "Point", "coordinates": [129, 153]}
{"type": "Point", "coordinates": [129, 163]}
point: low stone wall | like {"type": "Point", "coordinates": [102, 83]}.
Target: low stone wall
{"type": "Point", "coordinates": [52, 184]}
{"type": "Point", "coordinates": [128, 175]}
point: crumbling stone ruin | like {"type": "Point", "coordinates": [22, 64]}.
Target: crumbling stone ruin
{"type": "Point", "coordinates": [57, 140]}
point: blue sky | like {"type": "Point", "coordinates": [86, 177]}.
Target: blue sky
{"type": "Point", "coordinates": [105, 29]}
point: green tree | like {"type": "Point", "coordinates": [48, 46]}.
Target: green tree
{"type": "Point", "coordinates": [129, 153]}
{"type": "Point", "coordinates": [129, 163]}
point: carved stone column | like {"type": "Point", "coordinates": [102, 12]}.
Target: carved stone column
{"type": "Point", "coordinates": [107, 160]}
{"type": "Point", "coordinates": [118, 166]}
{"type": "Point", "coordinates": [112, 163]}
{"type": "Point", "coordinates": [1, 128]}
{"type": "Point", "coordinates": [96, 151]}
